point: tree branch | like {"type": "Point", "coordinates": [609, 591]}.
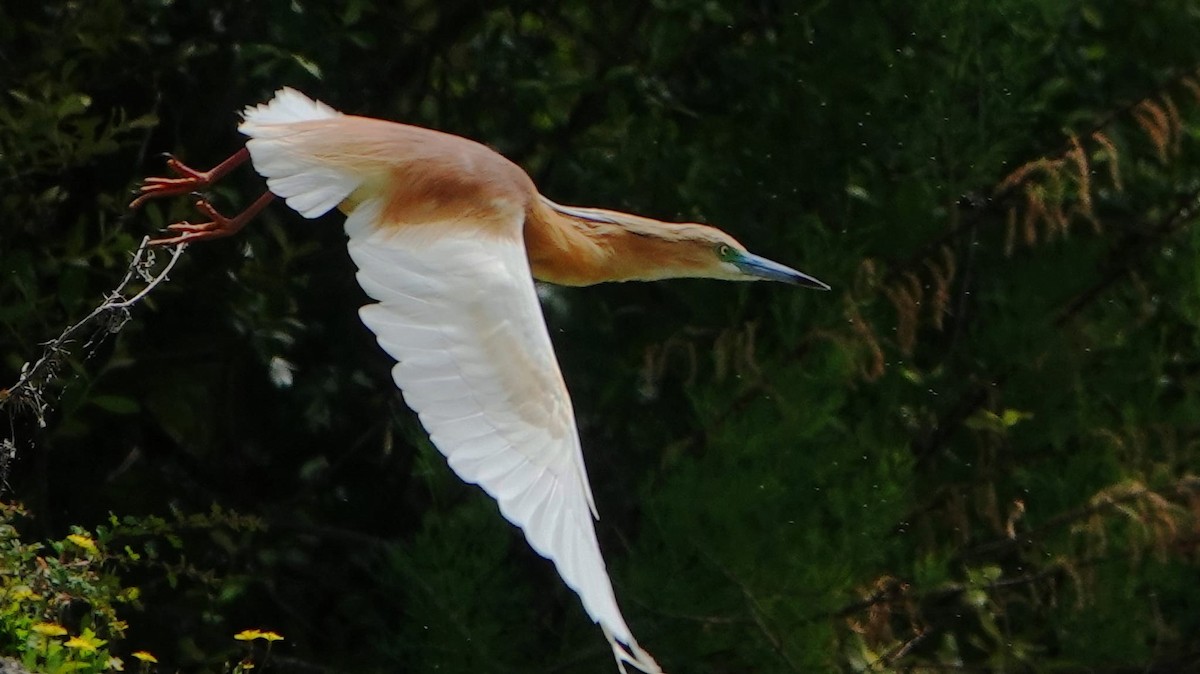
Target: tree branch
{"type": "Point", "coordinates": [29, 394]}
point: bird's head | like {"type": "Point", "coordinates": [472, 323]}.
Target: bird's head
{"type": "Point", "coordinates": [707, 252]}
{"type": "Point", "coordinates": [630, 247]}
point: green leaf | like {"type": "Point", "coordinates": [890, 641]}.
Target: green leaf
{"type": "Point", "coordinates": [116, 404]}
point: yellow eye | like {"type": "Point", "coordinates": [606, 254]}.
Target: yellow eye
{"type": "Point", "coordinates": [723, 251]}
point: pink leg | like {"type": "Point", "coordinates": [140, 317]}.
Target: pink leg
{"type": "Point", "coordinates": [218, 225]}
{"type": "Point", "coordinates": [189, 180]}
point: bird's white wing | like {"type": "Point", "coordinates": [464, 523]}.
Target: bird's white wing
{"type": "Point", "coordinates": [277, 145]}
{"type": "Point", "coordinates": [458, 311]}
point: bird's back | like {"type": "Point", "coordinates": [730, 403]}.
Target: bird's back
{"type": "Point", "coordinates": [422, 175]}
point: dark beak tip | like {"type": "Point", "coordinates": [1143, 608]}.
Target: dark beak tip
{"type": "Point", "coordinates": [766, 270]}
{"type": "Point", "coordinates": [806, 281]}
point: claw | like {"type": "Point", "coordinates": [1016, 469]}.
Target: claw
{"type": "Point", "coordinates": [218, 225]}
{"type": "Point", "coordinates": [187, 180]}
{"type": "Point", "coordinates": [187, 232]}
{"type": "Point", "coordinates": [171, 241]}
{"type": "Point", "coordinates": [186, 226]}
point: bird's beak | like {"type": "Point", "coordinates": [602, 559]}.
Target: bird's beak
{"type": "Point", "coordinates": [762, 268]}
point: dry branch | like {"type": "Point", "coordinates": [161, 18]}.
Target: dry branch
{"type": "Point", "coordinates": [30, 394]}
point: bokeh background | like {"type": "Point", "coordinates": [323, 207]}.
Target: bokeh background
{"type": "Point", "coordinates": [979, 452]}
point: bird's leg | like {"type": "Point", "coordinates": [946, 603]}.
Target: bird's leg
{"type": "Point", "coordinates": [218, 225]}
{"type": "Point", "coordinates": [189, 179]}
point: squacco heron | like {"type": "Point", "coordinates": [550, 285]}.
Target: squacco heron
{"type": "Point", "coordinates": [448, 237]}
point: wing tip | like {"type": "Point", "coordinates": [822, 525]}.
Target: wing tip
{"type": "Point", "coordinates": [629, 652]}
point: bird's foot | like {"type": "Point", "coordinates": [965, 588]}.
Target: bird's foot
{"type": "Point", "coordinates": [217, 227]}
{"type": "Point", "coordinates": [187, 179]}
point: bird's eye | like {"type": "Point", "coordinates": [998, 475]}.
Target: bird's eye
{"type": "Point", "coordinates": [723, 251]}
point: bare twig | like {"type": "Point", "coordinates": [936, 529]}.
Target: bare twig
{"type": "Point", "coordinates": [29, 394]}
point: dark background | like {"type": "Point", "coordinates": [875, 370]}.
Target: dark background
{"type": "Point", "coordinates": [979, 452]}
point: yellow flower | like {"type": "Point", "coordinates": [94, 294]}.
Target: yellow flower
{"type": "Point", "coordinates": [247, 635]}
{"type": "Point", "coordinates": [271, 636]}
{"type": "Point", "coordinates": [115, 664]}
{"type": "Point", "coordinates": [49, 629]}
{"type": "Point", "coordinates": [145, 656]}
{"type": "Point", "coordinates": [86, 642]}
{"type": "Point", "coordinates": [84, 542]}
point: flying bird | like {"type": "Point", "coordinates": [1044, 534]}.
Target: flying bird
{"type": "Point", "coordinates": [448, 237]}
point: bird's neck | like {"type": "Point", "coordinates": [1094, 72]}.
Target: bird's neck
{"type": "Point", "coordinates": [583, 246]}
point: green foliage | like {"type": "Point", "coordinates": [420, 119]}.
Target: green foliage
{"type": "Point", "coordinates": [425, 580]}
{"type": "Point", "coordinates": [64, 604]}
{"type": "Point", "coordinates": [978, 452]}
{"type": "Point", "coordinates": [44, 587]}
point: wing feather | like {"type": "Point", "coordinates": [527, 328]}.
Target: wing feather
{"type": "Point", "coordinates": [456, 307]}
{"type": "Point", "coordinates": [460, 314]}
{"type": "Point", "coordinates": [308, 184]}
